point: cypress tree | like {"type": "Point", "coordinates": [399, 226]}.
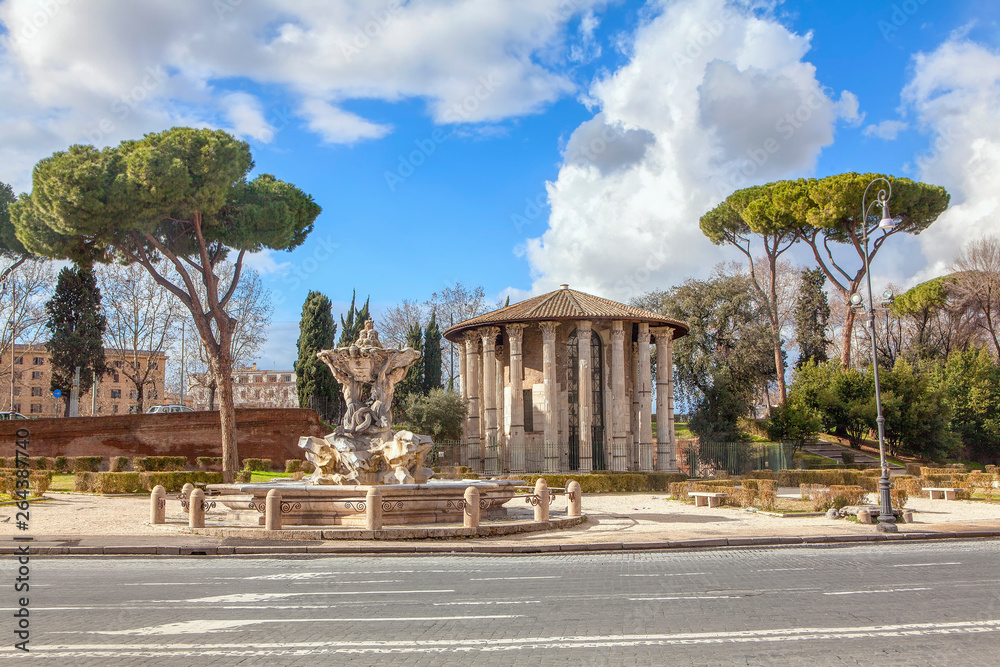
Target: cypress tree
{"type": "Point", "coordinates": [414, 381]}
{"type": "Point", "coordinates": [76, 326]}
{"type": "Point", "coordinates": [353, 323]}
{"type": "Point", "coordinates": [812, 317]}
{"type": "Point", "coordinates": [432, 356]}
{"type": "Point", "coordinates": [316, 332]}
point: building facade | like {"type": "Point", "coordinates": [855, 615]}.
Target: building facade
{"type": "Point", "coordinates": [563, 382]}
{"type": "Point", "coordinates": [27, 380]}
{"type": "Point", "coordinates": [252, 388]}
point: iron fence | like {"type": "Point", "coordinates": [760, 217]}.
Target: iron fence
{"type": "Point", "coordinates": [706, 459]}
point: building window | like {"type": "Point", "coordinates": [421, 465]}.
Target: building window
{"type": "Point", "coordinates": [39, 361]}
{"type": "Point", "coordinates": [133, 394]}
{"type": "Point", "coordinates": [154, 365]}
{"type": "Point", "coordinates": [36, 375]}
{"type": "Point", "coordinates": [272, 378]}
{"type": "Point", "coordinates": [36, 391]}
{"type": "Point", "coordinates": [132, 409]}
{"type": "Point", "coordinates": [529, 411]}
{"type": "Point", "coordinates": [116, 393]}
{"type": "Point", "coordinates": [286, 378]}
{"type": "Point", "coordinates": [19, 360]}
{"type": "Point", "coordinates": [116, 378]}
{"type": "Point", "coordinates": [17, 392]}
{"type": "Point", "coordinates": [36, 408]}
{"type": "Point", "coordinates": [117, 363]}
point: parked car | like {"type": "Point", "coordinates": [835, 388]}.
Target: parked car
{"type": "Point", "coordinates": [160, 409]}
{"type": "Point", "coordinates": [11, 415]}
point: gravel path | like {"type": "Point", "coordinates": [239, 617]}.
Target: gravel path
{"type": "Point", "coordinates": [633, 517]}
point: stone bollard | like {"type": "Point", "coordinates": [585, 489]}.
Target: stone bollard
{"type": "Point", "coordinates": [542, 498]}
{"type": "Point", "coordinates": [574, 499]}
{"type": "Point", "coordinates": [196, 509]}
{"type": "Point", "coordinates": [272, 510]}
{"type": "Point", "coordinates": [186, 495]}
{"type": "Point", "coordinates": [907, 516]}
{"type": "Point", "coordinates": [864, 516]}
{"type": "Point", "coordinates": [158, 505]}
{"type": "Point", "coordinates": [470, 518]}
{"type": "Point", "coordinates": [373, 509]}
{"type": "Point", "coordinates": [832, 513]}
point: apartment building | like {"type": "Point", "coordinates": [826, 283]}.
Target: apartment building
{"type": "Point", "coordinates": [252, 388]}
{"type": "Point", "coordinates": [25, 382]}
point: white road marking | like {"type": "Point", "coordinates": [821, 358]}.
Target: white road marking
{"type": "Point", "coordinates": [513, 578]}
{"type": "Point", "coordinates": [161, 650]}
{"type": "Point", "coordinates": [261, 597]}
{"type": "Point", "coordinates": [203, 626]}
{"type": "Point", "coordinates": [786, 569]}
{"type": "Point", "coordinates": [883, 590]}
{"type": "Point", "coordinates": [672, 574]}
{"type": "Point", "coordinates": [924, 564]}
{"type": "Point", "coordinates": [688, 597]}
{"type": "Point", "coordinates": [486, 602]}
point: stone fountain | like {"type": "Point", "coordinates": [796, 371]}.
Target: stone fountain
{"type": "Point", "coordinates": [364, 452]}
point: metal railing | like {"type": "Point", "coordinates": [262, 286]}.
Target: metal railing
{"type": "Point", "coordinates": [488, 458]}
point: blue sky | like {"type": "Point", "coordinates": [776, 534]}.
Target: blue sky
{"type": "Point", "coordinates": [444, 146]}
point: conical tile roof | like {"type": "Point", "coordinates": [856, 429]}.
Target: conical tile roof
{"type": "Point", "coordinates": [565, 304]}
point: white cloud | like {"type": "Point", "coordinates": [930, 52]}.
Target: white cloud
{"type": "Point", "coordinates": [102, 71]}
{"type": "Point", "coordinates": [955, 92]}
{"type": "Point", "coordinates": [714, 98]}
{"type": "Point", "coordinates": [264, 262]}
{"type": "Point", "coordinates": [887, 129]}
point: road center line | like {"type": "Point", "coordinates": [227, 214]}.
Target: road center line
{"type": "Point", "coordinates": [884, 590]}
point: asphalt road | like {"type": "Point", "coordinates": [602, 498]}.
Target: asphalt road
{"type": "Point", "coordinates": [887, 604]}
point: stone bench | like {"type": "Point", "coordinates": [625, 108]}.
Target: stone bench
{"type": "Point", "coordinates": [941, 493]}
{"type": "Point", "coordinates": [703, 498]}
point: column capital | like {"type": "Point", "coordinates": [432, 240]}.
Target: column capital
{"type": "Point", "coordinates": [472, 341]}
{"type": "Point", "coordinates": [515, 332]}
{"type": "Point", "coordinates": [617, 331]}
{"type": "Point", "coordinates": [665, 332]}
{"type": "Point", "coordinates": [548, 330]}
{"type": "Point", "coordinates": [489, 335]}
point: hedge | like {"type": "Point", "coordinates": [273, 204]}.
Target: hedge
{"type": "Point", "coordinates": [38, 482]}
{"type": "Point", "coordinates": [138, 482]}
{"type": "Point", "coordinates": [61, 464]}
{"type": "Point", "coordinates": [608, 483]}
{"type": "Point", "coordinates": [257, 465]}
{"type": "Point", "coordinates": [827, 477]}
{"type": "Point", "coordinates": [159, 463]}
{"type": "Point", "coordinates": [838, 496]}
{"type": "Point", "coordinates": [119, 463]}
{"type": "Point", "coordinates": [298, 465]}
{"type": "Point", "coordinates": [207, 462]}
{"type": "Point", "coordinates": [87, 463]}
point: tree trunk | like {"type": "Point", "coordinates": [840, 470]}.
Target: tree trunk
{"type": "Point", "coordinates": [211, 396]}
{"type": "Point", "coordinates": [139, 407]}
{"type": "Point", "coordinates": [223, 368]}
{"type": "Point", "coordinates": [847, 336]}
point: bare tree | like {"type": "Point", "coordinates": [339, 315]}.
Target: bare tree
{"type": "Point", "coordinates": [453, 304]}
{"type": "Point", "coordinates": [977, 283]}
{"type": "Point", "coordinates": [397, 321]}
{"type": "Point", "coordinates": [27, 285]}
{"type": "Point", "coordinates": [251, 309]}
{"type": "Point", "coordinates": [143, 321]}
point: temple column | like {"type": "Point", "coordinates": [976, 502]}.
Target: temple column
{"type": "Point", "coordinates": [645, 400]}
{"type": "Point", "coordinates": [633, 458]}
{"type": "Point", "coordinates": [488, 336]}
{"type": "Point", "coordinates": [586, 395]}
{"type": "Point", "coordinates": [619, 410]}
{"type": "Point", "coordinates": [471, 357]}
{"type": "Point", "coordinates": [515, 444]}
{"type": "Point", "coordinates": [502, 439]}
{"type": "Point", "coordinates": [549, 395]}
{"type": "Point", "coordinates": [666, 457]}
{"type": "Point", "coordinates": [464, 382]}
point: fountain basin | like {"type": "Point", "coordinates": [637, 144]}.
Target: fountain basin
{"type": "Point", "coordinates": [305, 504]}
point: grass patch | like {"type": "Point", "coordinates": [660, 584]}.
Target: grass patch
{"type": "Point", "coordinates": [681, 430]}
{"type": "Point", "coordinates": [258, 476]}
{"type": "Point", "coordinates": [61, 483]}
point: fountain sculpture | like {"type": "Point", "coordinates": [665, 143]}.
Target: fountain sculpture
{"type": "Point", "coordinates": [364, 451]}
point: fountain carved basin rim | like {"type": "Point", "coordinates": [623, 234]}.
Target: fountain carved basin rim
{"type": "Point", "coordinates": [303, 504]}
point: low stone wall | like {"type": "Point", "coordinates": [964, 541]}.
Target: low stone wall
{"type": "Point", "coordinates": [260, 433]}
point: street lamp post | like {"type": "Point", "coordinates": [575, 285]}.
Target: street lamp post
{"type": "Point", "coordinates": [886, 519]}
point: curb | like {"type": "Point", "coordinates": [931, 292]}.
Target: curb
{"type": "Point", "coordinates": [418, 549]}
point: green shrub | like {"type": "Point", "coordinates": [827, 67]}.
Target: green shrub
{"type": "Point", "coordinates": [159, 463]}
{"type": "Point", "coordinates": [913, 486]}
{"type": "Point", "coordinates": [293, 465]}
{"type": "Point", "coordinates": [87, 463]}
{"type": "Point", "coordinates": [119, 463]}
{"type": "Point", "coordinates": [83, 482]}
{"type": "Point", "coordinates": [257, 465]}
{"type": "Point", "coordinates": [210, 462]}
{"type": "Point", "coordinates": [38, 482]}
{"type": "Point", "coordinates": [760, 474]}
{"type": "Point", "coordinates": [117, 482]}
{"type": "Point", "coordinates": [607, 482]}
{"type": "Point", "coordinates": [40, 463]}
{"type": "Point", "coordinates": [243, 476]}
{"type": "Point", "coordinates": [838, 496]}
{"type": "Point", "coordinates": [138, 482]}
{"type": "Point", "coordinates": [826, 477]}
{"type": "Point", "coordinates": [175, 481]}
{"type": "Point", "coordinates": [847, 457]}
{"type": "Point", "coordinates": [61, 464]}
{"type": "Point", "coordinates": [913, 469]}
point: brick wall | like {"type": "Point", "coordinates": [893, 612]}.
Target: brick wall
{"type": "Point", "coordinates": [269, 433]}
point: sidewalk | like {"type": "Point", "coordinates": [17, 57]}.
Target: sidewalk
{"type": "Point", "coordinates": [96, 525]}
